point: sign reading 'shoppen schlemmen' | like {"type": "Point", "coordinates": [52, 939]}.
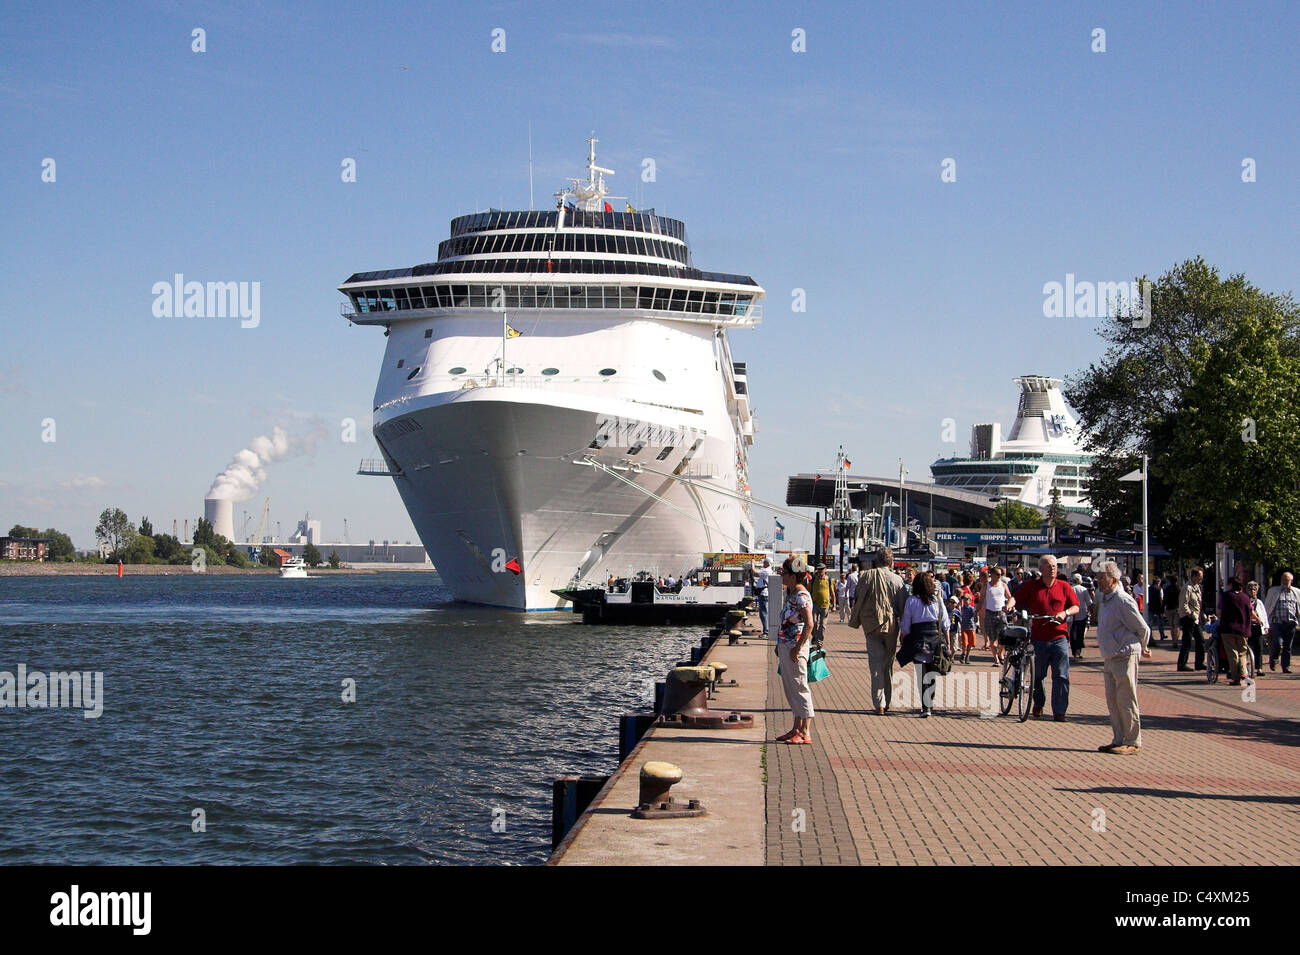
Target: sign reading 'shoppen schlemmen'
{"type": "Point", "coordinates": [991, 537]}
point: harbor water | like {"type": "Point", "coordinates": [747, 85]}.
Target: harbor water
{"type": "Point", "coordinates": [225, 694]}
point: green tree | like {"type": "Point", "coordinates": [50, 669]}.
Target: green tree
{"type": "Point", "coordinates": [19, 531]}
{"type": "Point", "coordinates": [146, 528]}
{"type": "Point", "coordinates": [60, 545]}
{"type": "Point", "coordinates": [268, 557]}
{"type": "Point", "coordinates": [115, 530]}
{"type": "Point", "coordinates": [311, 555]}
{"type": "Point", "coordinates": [139, 551]}
{"type": "Point", "coordinates": [166, 546]}
{"type": "Point", "coordinates": [1208, 386]}
{"type": "Point", "coordinates": [1015, 515]}
{"type": "Point", "coordinates": [236, 557]}
{"type": "Point", "coordinates": [203, 534]}
{"type": "Point", "coordinates": [334, 559]}
{"type": "Point", "coordinates": [1056, 514]}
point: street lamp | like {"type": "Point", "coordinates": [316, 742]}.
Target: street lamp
{"type": "Point", "coordinates": [1006, 515]}
{"type": "Point", "coordinates": [1141, 475]}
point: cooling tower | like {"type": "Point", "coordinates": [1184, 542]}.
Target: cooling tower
{"type": "Point", "coordinates": [221, 512]}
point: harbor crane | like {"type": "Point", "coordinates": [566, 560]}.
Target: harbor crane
{"type": "Point", "coordinates": [255, 544]}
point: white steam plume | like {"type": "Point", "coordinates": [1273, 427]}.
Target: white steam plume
{"type": "Point", "coordinates": [247, 470]}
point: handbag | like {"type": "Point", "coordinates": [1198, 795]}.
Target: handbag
{"type": "Point", "coordinates": [817, 668]}
{"type": "Point", "coordinates": [941, 663]}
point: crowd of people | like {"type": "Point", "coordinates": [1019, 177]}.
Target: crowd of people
{"type": "Point", "coordinates": [918, 617]}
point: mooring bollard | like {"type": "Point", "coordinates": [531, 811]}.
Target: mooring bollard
{"type": "Point", "coordinates": [719, 671]}
{"type": "Point", "coordinates": [654, 800]}
{"type": "Point", "coordinates": [686, 702]}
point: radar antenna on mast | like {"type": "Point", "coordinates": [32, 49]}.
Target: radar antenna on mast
{"type": "Point", "coordinates": [587, 195]}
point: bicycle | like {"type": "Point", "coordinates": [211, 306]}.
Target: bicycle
{"type": "Point", "coordinates": [1214, 661]}
{"type": "Point", "coordinates": [1017, 681]}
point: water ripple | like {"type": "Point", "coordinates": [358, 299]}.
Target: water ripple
{"type": "Point", "coordinates": [225, 694]}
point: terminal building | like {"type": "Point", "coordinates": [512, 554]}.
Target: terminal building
{"type": "Point", "coordinates": [944, 519]}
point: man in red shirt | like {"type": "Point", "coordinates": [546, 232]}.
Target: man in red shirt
{"type": "Point", "coordinates": [1050, 596]}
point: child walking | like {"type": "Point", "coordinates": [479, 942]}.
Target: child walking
{"type": "Point", "coordinates": [967, 627]}
{"type": "Point", "coordinates": [954, 629]}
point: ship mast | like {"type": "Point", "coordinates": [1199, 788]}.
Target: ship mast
{"type": "Point", "coordinates": [587, 195]}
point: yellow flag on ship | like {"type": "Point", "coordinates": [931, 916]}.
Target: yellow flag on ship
{"type": "Point", "coordinates": [511, 331]}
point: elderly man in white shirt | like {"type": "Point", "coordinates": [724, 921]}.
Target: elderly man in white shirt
{"type": "Point", "coordinates": [1122, 636]}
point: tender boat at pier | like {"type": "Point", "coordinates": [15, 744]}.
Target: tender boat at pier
{"type": "Point", "coordinates": [703, 596]}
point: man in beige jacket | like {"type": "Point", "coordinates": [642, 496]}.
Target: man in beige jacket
{"type": "Point", "coordinates": [878, 609]}
{"type": "Point", "coordinates": [1190, 617]}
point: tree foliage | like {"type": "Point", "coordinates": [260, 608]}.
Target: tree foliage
{"type": "Point", "coordinates": [1210, 390]}
{"type": "Point", "coordinates": [203, 533]}
{"type": "Point", "coordinates": [166, 546]}
{"type": "Point", "coordinates": [334, 559]}
{"type": "Point", "coordinates": [1056, 513]}
{"type": "Point", "coordinates": [139, 551]}
{"type": "Point", "coordinates": [115, 530]}
{"type": "Point", "coordinates": [311, 556]}
{"type": "Point", "coordinates": [146, 528]}
{"type": "Point", "coordinates": [1014, 515]}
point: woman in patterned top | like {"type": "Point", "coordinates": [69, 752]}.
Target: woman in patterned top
{"type": "Point", "coordinates": [792, 647]}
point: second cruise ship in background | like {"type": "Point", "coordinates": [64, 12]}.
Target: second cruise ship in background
{"type": "Point", "coordinates": [558, 399]}
{"type": "Point", "coordinates": [1040, 455]}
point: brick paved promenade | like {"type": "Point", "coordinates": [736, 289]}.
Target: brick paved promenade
{"type": "Point", "coordinates": [960, 788]}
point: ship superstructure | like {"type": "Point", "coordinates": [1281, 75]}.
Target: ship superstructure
{"type": "Point", "coordinates": [558, 397]}
{"type": "Point", "coordinates": [1041, 453]}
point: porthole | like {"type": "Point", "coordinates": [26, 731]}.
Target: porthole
{"type": "Point", "coordinates": [401, 362]}
{"type": "Point", "coordinates": [606, 372]}
{"type": "Point", "coordinates": [458, 370]}
{"type": "Point", "coordinates": [414, 371]}
{"type": "Point", "coordinates": [659, 374]}
{"type": "Point", "coordinates": [548, 372]}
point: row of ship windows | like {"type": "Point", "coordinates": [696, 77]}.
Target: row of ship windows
{"type": "Point", "coordinates": [568, 267]}
{"type": "Point", "coordinates": [561, 242]}
{"type": "Point", "coordinates": [574, 218]}
{"type": "Point", "coordinates": [459, 370]}
{"type": "Point", "coordinates": [551, 296]}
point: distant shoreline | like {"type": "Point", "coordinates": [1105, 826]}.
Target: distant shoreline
{"type": "Point", "coordinates": [54, 569]}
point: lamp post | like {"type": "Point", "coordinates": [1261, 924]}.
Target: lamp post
{"type": "Point", "coordinates": [1006, 533]}
{"type": "Point", "coordinates": [1141, 475]}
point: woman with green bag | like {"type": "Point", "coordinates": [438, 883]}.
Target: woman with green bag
{"type": "Point", "coordinates": [792, 646]}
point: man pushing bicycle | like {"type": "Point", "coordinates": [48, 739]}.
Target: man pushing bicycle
{"type": "Point", "coordinates": [1050, 597]}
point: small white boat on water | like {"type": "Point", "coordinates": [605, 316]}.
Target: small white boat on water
{"type": "Point", "coordinates": [294, 567]}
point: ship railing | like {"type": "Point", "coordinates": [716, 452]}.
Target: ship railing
{"type": "Point", "coordinates": [754, 316]}
{"type": "Point", "coordinates": [498, 380]}
{"type": "Point", "coordinates": [704, 472]}
{"type": "Point", "coordinates": [376, 467]}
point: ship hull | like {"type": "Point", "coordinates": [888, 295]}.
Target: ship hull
{"type": "Point", "coordinates": [495, 479]}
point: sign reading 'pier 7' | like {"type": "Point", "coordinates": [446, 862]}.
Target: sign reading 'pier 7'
{"type": "Point", "coordinates": [982, 536]}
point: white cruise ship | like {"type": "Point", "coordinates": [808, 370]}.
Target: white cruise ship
{"type": "Point", "coordinates": [558, 400]}
{"type": "Point", "coordinates": [1041, 453]}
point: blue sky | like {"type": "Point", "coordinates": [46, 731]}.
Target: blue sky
{"type": "Point", "coordinates": [817, 170]}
